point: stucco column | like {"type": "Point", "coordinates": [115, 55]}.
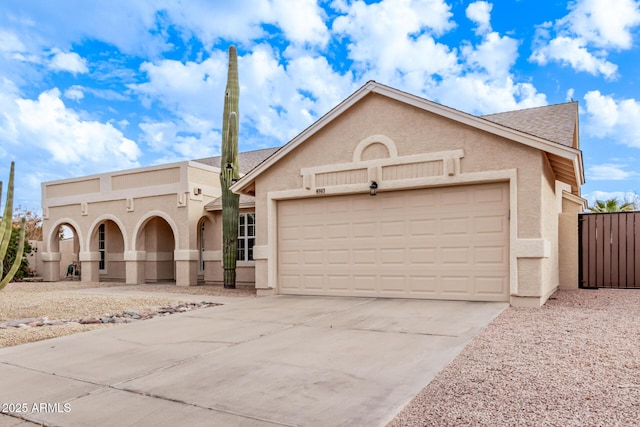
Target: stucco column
{"type": "Point", "coordinates": [89, 266]}
{"type": "Point", "coordinates": [51, 266]}
{"type": "Point", "coordinates": [568, 240]}
{"type": "Point", "coordinates": [186, 267]}
{"type": "Point", "coordinates": [134, 265]}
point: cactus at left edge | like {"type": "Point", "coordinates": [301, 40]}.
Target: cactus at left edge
{"type": "Point", "coordinates": [229, 172]}
{"type": "Point", "coordinates": [5, 234]}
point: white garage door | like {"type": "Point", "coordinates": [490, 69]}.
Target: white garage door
{"type": "Point", "coordinates": [437, 243]}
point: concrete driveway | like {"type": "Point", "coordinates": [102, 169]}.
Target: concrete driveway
{"type": "Point", "coordinates": [279, 360]}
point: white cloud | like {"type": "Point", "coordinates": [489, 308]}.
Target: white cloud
{"type": "Point", "coordinates": [48, 124]}
{"type": "Point", "coordinates": [477, 95]}
{"type": "Point", "coordinates": [10, 42]}
{"type": "Point", "coordinates": [574, 52]}
{"type": "Point", "coordinates": [587, 34]}
{"type": "Point", "coordinates": [301, 21]}
{"type": "Point", "coordinates": [277, 99]}
{"type": "Point", "coordinates": [395, 37]}
{"type": "Point", "coordinates": [480, 13]}
{"type": "Point", "coordinates": [604, 23]}
{"type": "Point", "coordinates": [75, 93]}
{"type": "Point", "coordinates": [71, 62]}
{"type": "Point", "coordinates": [609, 172]}
{"type": "Point", "coordinates": [613, 119]}
{"type": "Point", "coordinates": [495, 55]}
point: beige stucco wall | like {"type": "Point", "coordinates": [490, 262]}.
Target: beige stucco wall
{"type": "Point", "coordinates": [416, 131]}
{"type": "Point", "coordinates": [245, 271]}
{"type": "Point", "coordinates": [568, 241]}
{"type": "Point", "coordinates": [153, 221]}
{"type": "Point", "coordinates": [549, 211]}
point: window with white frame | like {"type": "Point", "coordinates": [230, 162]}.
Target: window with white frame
{"type": "Point", "coordinates": [246, 236]}
{"type": "Point", "coordinates": [101, 247]}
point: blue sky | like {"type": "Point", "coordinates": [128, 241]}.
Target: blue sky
{"type": "Point", "coordinates": [93, 86]}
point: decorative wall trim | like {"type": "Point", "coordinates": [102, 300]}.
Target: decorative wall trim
{"type": "Point", "coordinates": [340, 177]}
{"type": "Point", "coordinates": [260, 252]}
{"type": "Point", "coordinates": [135, 256]}
{"type": "Point", "coordinates": [89, 256]}
{"type": "Point", "coordinates": [186, 255]}
{"type": "Point", "coordinates": [375, 139]}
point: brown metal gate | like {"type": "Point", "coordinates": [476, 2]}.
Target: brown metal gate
{"type": "Point", "coordinates": [609, 250]}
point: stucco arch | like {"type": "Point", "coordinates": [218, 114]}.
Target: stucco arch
{"type": "Point", "coordinates": [143, 221]}
{"type": "Point", "coordinates": [375, 139]}
{"type": "Point", "coordinates": [53, 234]}
{"type": "Point", "coordinates": [108, 217]}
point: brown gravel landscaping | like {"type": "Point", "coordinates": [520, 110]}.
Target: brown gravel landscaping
{"type": "Point", "coordinates": [56, 301]}
{"type": "Point", "coordinates": [573, 362]}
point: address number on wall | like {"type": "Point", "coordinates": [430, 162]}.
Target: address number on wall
{"type": "Point", "coordinates": [319, 190]}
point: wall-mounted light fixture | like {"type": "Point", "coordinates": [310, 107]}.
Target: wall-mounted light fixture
{"type": "Point", "coordinates": [372, 188]}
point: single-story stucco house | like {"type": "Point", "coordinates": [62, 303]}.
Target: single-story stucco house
{"type": "Point", "coordinates": [387, 195]}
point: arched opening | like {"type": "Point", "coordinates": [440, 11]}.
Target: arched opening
{"type": "Point", "coordinates": [65, 241]}
{"type": "Point", "coordinates": [107, 240]}
{"type": "Point", "coordinates": [156, 238]}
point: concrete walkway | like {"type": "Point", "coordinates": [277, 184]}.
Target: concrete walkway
{"type": "Point", "coordinates": [281, 360]}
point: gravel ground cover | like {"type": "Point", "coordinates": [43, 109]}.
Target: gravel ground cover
{"type": "Point", "coordinates": [56, 302]}
{"type": "Point", "coordinates": [573, 362]}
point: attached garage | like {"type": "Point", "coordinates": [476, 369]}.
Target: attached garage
{"type": "Point", "coordinates": [438, 243]}
{"type": "Point", "coordinates": [467, 208]}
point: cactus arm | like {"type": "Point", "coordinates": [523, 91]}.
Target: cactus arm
{"type": "Point", "coordinates": [18, 261]}
{"type": "Point", "coordinates": [5, 226]}
{"type": "Point", "coordinates": [1, 226]}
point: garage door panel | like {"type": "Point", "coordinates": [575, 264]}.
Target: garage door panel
{"type": "Point", "coordinates": [490, 224]}
{"type": "Point", "coordinates": [455, 226]}
{"type": "Point", "coordinates": [447, 243]}
{"type": "Point", "coordinates": [493, 256]}
{"type": "Point", "coordinates": [455, 255]}
{"type": "Point", "coordinates": [491, 285]}
{"type": "Point", "coordinates": [392, 257]}
{"type": "Point", "coordinates": [392, 228]}
{"type": "Point", "coordinates": [455, 285]}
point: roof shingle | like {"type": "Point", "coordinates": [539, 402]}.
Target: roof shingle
{"type": "Point", "coordinates": [556, 123]}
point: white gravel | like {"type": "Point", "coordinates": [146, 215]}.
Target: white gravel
{"type": "Point", "coordinates": [573, 362]}
{"type": "Point", "coordinates": [56, 302]}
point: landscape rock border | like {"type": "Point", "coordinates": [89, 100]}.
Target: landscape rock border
{"type": "Point", "coordinates": [127, 316]}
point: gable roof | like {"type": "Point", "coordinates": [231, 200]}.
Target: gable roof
{"type": "Point", "coordinates": [523, 126]}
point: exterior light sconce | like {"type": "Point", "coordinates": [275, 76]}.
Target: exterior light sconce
{"type": "Point", "coordinates": [372, 188]}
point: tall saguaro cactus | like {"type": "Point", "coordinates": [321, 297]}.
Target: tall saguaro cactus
{"type": "Point", "coordinates": [229, 172]}
{"type": "Point", "coordinates": [5, 234]}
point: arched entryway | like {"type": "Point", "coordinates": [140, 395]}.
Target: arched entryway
{"type": "Point", "coordinates": [155, 239]}
{"type": "Point", "coordinates": [107, 240]}
{"type": "Point", "coordinates": [61, 257]}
